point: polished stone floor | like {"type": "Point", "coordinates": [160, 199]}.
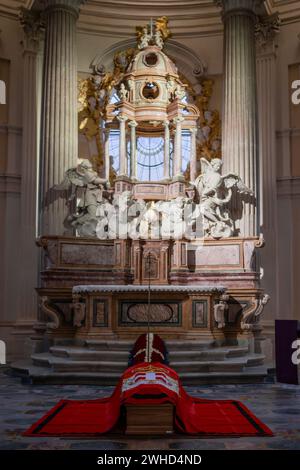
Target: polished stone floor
{"type": "Point", "coordinates": [276, 405]}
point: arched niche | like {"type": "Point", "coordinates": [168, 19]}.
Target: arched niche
{"type": "Point", "coordinates": [187, 62]}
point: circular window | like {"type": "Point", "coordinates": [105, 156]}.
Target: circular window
{"type": "Point", "coordinates": [151, 59]}
{"type": "Point", "coordinates": [150, 91]}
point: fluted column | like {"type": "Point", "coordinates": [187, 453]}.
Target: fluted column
{"type": "Point", "coordinates": [177, 147]}
{"type": "Point", "coordinates": [266, 30]}
{"type": "Point", "coordinates": [28, 272]}
{"type": "Point", "coordinates": [167, 150]}
{"type": "Point", "coordinates": [133, 161]}
{"type": "Point", "coordinates": [123, 150]}
{"type": "Point", "coordinates": [193, 160]}
{"type": "Point", "coordinates": [239, 135]}
{"type": "Point", "coordinates": [59, 110]}
{"type": "Point", "coordinates": [106, 154]}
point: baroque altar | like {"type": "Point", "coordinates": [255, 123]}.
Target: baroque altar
{"type": "Point", "coordinates": [157, 210]}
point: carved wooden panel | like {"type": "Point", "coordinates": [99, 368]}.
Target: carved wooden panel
{"type": "Point", "coordinates": [76, 254]}
{"type": "Point", "coordinates": [100, 312]}
{"type": "Point", "coordinates": [199, 312]}
{"type": "Point", "coordinates": [135, 313]}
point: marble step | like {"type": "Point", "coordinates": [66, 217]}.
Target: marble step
{"type": "Point", "coordinates": [59, 364]}
{"type": "Point", "coordinates": [81, 353]}
{"type": "Point", "coordinates": [109, 345]}
{"type": "Point", "coordinates": [232, 364]}
{"type": "Point", "coordinates": [77, 353]}
{"type": "Point", "coordinates": [42, 375]}
{"type": "Point", "coordinates": [126, 345]}
{"type": "Point", "coordinates": [216, 354]}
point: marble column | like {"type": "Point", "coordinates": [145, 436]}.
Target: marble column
{"type": "Point", "coordinates": [123, 149]}
{"type": "Point", "coordinates": [177, 171]}
{"type": "Point", "coordinates": [59, 139]}
{"type": "Point", "coordinates": [133, 161]}
{"type": "Point", "coordinates": [266, 31]}
{"type": "Point", "coordinates": [106, 154]}
{"type": "Point", "coordinates": [193, 160]}
{"type": "Point", "coordinates": [239, 133]}
{"type": "Point", "coordinates": [32, 25]}
{"type": "Point", "coordinates": [167, 150]}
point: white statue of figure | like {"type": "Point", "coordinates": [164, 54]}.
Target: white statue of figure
{"type": "Point", "coordinates": [106, 226]}
{"type": "Point", "coordinates": [179, 92]}
{"type": "Point", "coordinates": [144, 39]}
{"type": "Point", "coordinates": [123, 93]}
{"type": "Point", "coordinates": [119, 222]}
{"type": "Point", "coordinates": [135, 216]}
{"type": "Point", "coordinates": [149, 225]}
{"type": "Point", "coordinates": [158, 39]}
{"type": "Point", "coordinates": [166, 225]}
{"type": "Point", "coordinates": [92, 187]}
{"type": "Point", "coordinates": [177, 217]}
{"type": "Point", "coordinates": [171, 86]}
{"type": "Point", "coordinates": [215, 193]}
{"type": "Point", "coordinates": [172, 217]}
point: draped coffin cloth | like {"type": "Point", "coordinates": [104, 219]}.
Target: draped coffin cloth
{"type": "Point", "coordinates": [149, 383]}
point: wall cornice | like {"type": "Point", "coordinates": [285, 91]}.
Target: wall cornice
{"type": "Point", "coordinates": [188, 18]}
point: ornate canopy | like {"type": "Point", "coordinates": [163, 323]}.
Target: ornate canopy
{"type": "Point", "coordinates": [151, 102]}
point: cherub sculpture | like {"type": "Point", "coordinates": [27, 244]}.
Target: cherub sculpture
{"type": "Point", "coordinates": [158, 39]}
{"type": "Point", "coordinates": [123, 93]}
{"type": "Point", "coordinates": [215, 192]}
{"type": "Point", "coordinates": [143, 37]}
{"type": "Point", "coordinates": [179, 92]}
{"type": "Point", "coordinates": [171, 86]}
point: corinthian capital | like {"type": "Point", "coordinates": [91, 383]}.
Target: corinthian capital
{"type": "Point", "coordinates": [33, 25]}
{"type": "Point", "coordinates": [266, 29]}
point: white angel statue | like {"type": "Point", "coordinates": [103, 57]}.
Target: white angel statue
{"type": "Point", "coordinates": [215, 193]}
{"type": "Point", "coordinates": [83, 176]}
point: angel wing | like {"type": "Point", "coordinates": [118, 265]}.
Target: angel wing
{"type": "Point", "coordinates": [71, 179]}
{"type": "Point", "coordinates": [231, 180]}
{"type": "Point", "coordinates": [198, 179]}
{"type": "Point", "coordinates": [205, 165]}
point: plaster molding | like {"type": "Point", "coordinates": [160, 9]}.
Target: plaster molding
{"type": "Point", "coordinates": [82, 289]}
{"type": "Point", "coordinates": [189, 64]}
{"type": "Point", "coordinates": [10, 183]}
{"type": "Point", "coordinates": [188, 18]}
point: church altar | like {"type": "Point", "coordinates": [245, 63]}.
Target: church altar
{"type": "Point", "coordinates": [153, 209]}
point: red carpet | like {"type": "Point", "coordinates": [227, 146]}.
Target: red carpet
{"type": "Point", "coordinates": [149, 383]}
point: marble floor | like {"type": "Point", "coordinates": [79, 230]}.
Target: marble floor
{"type": "Point", "coordinates": [276, 405]}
